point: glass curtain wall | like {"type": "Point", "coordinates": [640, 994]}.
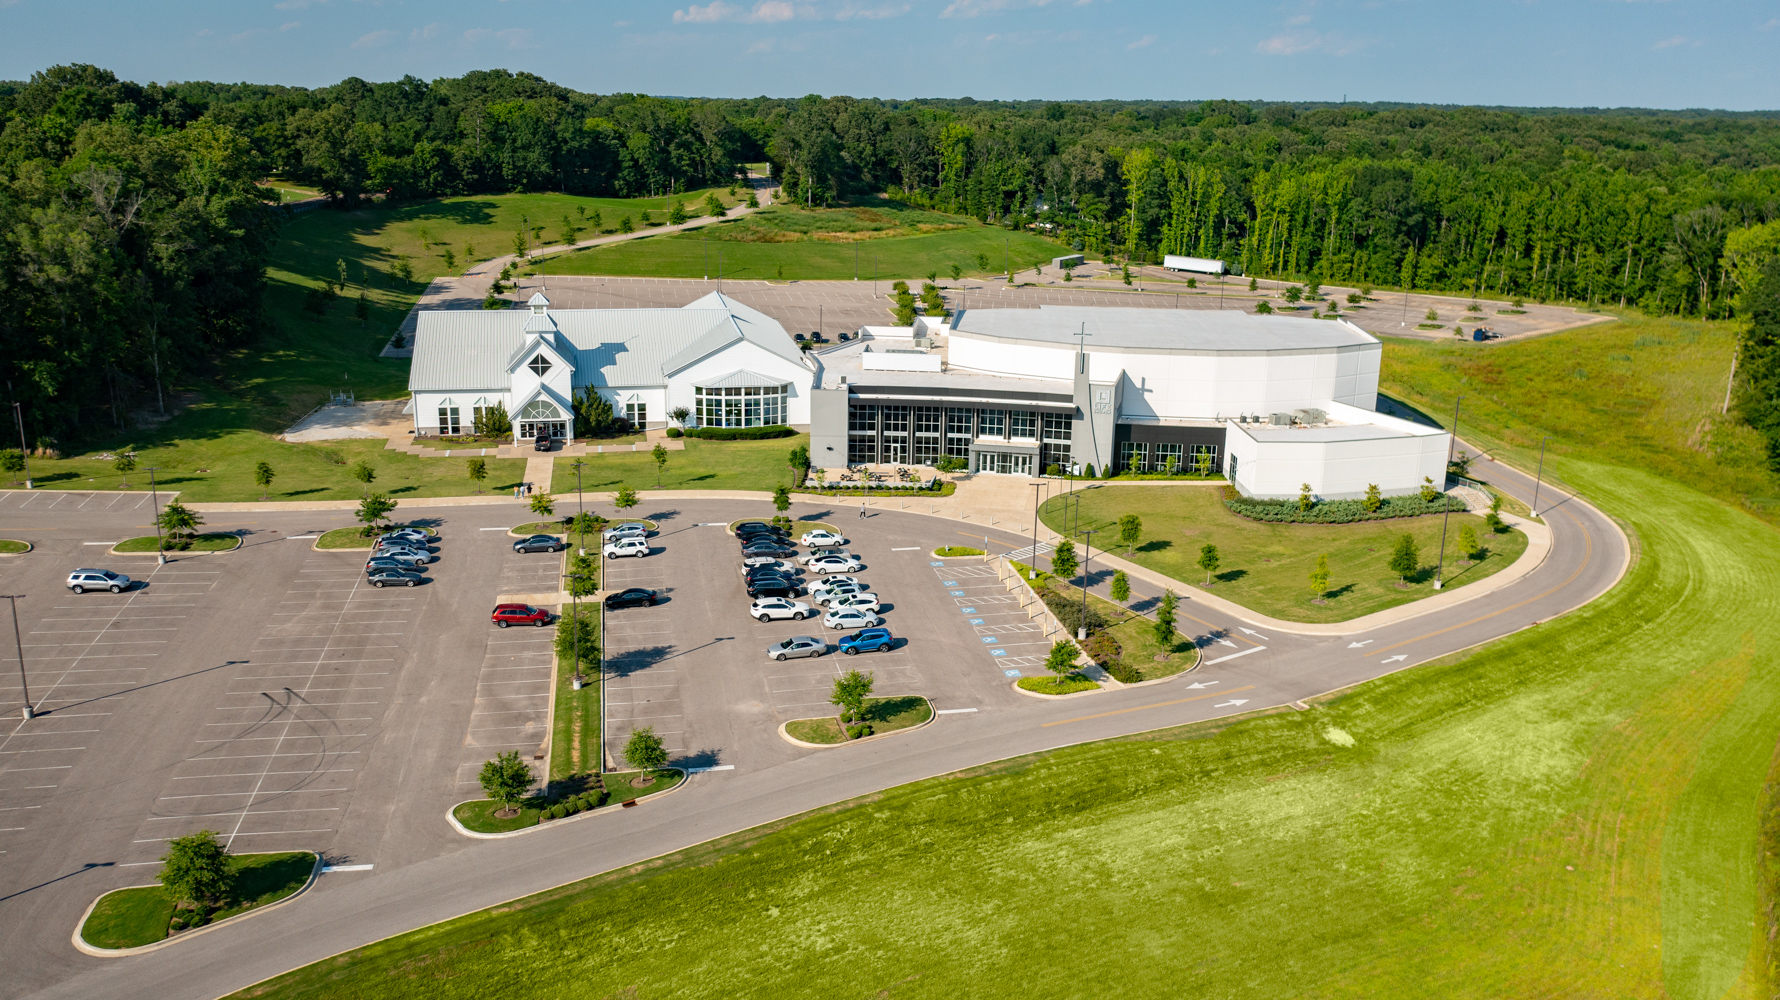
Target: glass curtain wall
{"type": "Point", "coordinates": [741, 406]}
{"type": "Point", "coordinates": [895, 421]}
{"type": "Point", "coordinates": [927, 434]}
{"type": "Point", "coordinates": [958, 428]}
{"type": "Point", "coordinates": [1054, 449]}
{"type": "Point", "coordinates": [862, 434]}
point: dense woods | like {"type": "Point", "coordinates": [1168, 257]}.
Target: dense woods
{"type": "Point", "coordinates": [134, 237]}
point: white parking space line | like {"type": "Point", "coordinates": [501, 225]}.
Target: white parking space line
{"type": "Point", "coordinates": [255, 774]}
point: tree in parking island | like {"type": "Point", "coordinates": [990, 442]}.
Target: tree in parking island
{"type": "Point", "coordinates": [1063, 562]}
{"type": "Point", "coordinates": [543, 504]}
{"type": "Point", "coordinates": [196, 868]}
{"type": "Point", "coordinates": [625, 498]}
{"type": "Point", "coordinates": [645, 751]}
{"type": "Point", "coordinates": [1061, 659]}
{"type": "Point", "coordinates": [374, 511]}
{"type": "Point", "coordinates": [179, 520]}
{"type": "Point", "coordinates": [262, 477]}
{"type": "Point", "coordinates": [781, 498]}
{"type": "Point", "coordinates": [505, 779]}
{"type": "Point", "coordinates": [850, 692]}
{"type": "Point", "coordinates": [583, 576]}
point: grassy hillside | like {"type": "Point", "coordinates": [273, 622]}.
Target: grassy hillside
{"type": "Point", "coordinates": [1572, 811]}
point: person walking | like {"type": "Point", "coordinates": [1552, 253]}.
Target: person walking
{"type": "Point", "coordinates": [862, 510]}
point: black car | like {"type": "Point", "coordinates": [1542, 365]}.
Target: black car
{"type": "Point", "coordinates": [541, 442]}
{"type": "Point", "coordinates": [540, 543]}
{"type": "Point", "coordinates": [767, 548]}
{"type": "Point", "coordinates": [393, 578]}
{"type": "Point", "coordinates": [635, 597]}
{"type": "Point", "coordinates": [771, 590]}
{"type": "Point", "coordinates": [771, 580]}
{"type": "Point", "coordinates": [770, 569]}
{"type": "Point", "coordinates": [757, 526]}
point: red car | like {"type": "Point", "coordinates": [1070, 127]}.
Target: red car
{"type": "Point", "coordinates": [519, 614]}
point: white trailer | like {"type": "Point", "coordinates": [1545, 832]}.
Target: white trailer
{"type": "Point", "coordinates": [1198, 265]}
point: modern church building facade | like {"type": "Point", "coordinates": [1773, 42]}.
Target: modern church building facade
{"type": "Point", "coordinates": [1272, 402]}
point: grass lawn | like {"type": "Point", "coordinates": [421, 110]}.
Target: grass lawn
{"type": "Point", "coordinates": [1135, 633]}
{"type": "Point", "coordinates": [911, 257]}
{"type": "Point", "coordinates": [133, 917]}
{"type": "Point", "coordinates": [886, 715]}
{"type": "Point", "coordinates": [1267, 567]}
{"type": "Point", "coordinates": [478, 814]}
{"type": "Point", "coordinates": [354, 537]}
{"type": "Point", "coordinates": [704, 465]}
{"type": "Point", "coordinates": [14, 546]}
{"type": "Point", "coordinates": [955, 551]}
{"type": "Point", "coordinates": [1051, 684]}
{"type": "Point", "coordinates": [575, 722]}
{"type": "Point", "coordinates": [203, 543]}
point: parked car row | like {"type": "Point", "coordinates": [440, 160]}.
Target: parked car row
{"type": "Point", "coordinates": [773, 570]}
{"type": "Point", "coordinates": [397, 558]}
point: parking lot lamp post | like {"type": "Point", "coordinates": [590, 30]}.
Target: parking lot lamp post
{"type": "Point", "coordinates": [29, 713]}
{"type": "Point", "coordinates": [18, 415]}
{"type": "Point", "coordinates": [1035, 488]}
{"type": "Point", "coordinates": [580, 501]}
{"type": "Point", "coordinates": [1539, 476]}
{"type": "Point", "coordinates": [155, 505]}
{"type": "Point", "coordinates": [1081, 632]}
{"type": "Point", "coordinates": [1446, 508]}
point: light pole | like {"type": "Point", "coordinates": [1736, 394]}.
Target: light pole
{"type": "Point", "coordinates": [155, 505]}
{"type": "Point", "coordinates": [580, 505]}
{"type": "Point", "coordinates": [29, 713]}
{"type": "Point", "coordinates": [1035, 488]}
{"type": "Point", "coordinates": [1446, 508]}
{"type": "Point", "coordinates": [1081, 631]}
{"type": "Point", "coordinates": [1539, 476]}
{"type": "Point", "coordinates": [18, 414]}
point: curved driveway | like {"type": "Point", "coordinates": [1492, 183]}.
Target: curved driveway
{"type": "Point", "coordinates": [446, 877]}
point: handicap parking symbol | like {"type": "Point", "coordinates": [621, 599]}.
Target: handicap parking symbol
{"type": "Point", "coordinates": [968, 611]}
{"type": "Point", "coordinates": [997, 652]}
{"type": "Point", "coordinates": [957, 593]}
{"type": "Point", "coordinates": [936, 564]}
{"type": "Point", "coordinates": [1010, 673]}
{"type": "Point", "coordinates": [948, 583]}
{"type": "Point", "coordinates": [989, 639]}
{"type": "Point", "coordinates": [976, 621]}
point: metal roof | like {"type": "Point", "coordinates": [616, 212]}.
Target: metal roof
{"type": "Point", "coordinates": [1160, 330]}
{"type": "Point", "coordinates": [472, 349]}
{"type": "Point", "coordinates": [742, 378]}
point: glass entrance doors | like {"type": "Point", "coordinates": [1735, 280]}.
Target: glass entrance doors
{"type": "Point", "coordinates": [1004, 462]}
{"type": "Point", "coordinates": [529, 429]}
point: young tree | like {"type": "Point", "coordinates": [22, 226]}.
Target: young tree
{"type": "Point", "coordinates": [361, 307]}
{"type": "Point", "coordinates": [1202, 463]}
{"type": "Point", "coordinates": [1121, 587]}
{"type": "Point", "coordinates": [505, 779]}
{"type": "Point", "coordinates": [625, 498]}
{"type": "Point", "coordinates": [800, 461]}
{"type": "Point", "coordinates": [1171, 466]}
{"type": "Point", "coordinates": [373, 510]}
{"type": "Point", "coordinates": [1061, 659]}
{"type": "Point", "coordinates": [781, 498]}
{"type": "Point", "coordinates": [957, 272]}
{"type": "Point", "coordinates": [1429, 491]}
{"type": "Point", "coordinates": [626, 226]}
{"type": "Point", "coordinates": [1263, 309]}
{"type": "Point", "coordinates": [1208, 560]}
{"type": "Point", "coordinates": [677, 213]}
{"type": "Point", "coordinates": [1319, 577]}
{"type": "Point", "coordinates": [1374, 499]}
{"type": "Point", "coordinates": [12, 462]}
{"type": "Point", "coordinates": [478, 470]}
{"type": "Point", "coordinates": [543, 504]}
{"type": "Point", "coordinates": [982, 262]}
{"type": "Point", "coordinates": [196, 868]}
{"type": "Point", "coordinates": [680, 415]}
{"type": "Point", "coordinates": [124, 463]}
{"type": "Point", "coordinates": [1253, 285]}
{"type": "Point", "coordinates": [713, 206]}
{"type": "Point", "coordinates": [520, 244]}
{"type": "Point", "coordinates": [585, 524]}
{"type": "Point", "coordinates": [1063, 561]}
{"type": "Point", "coordinates": [1406, 557]}
{"type": "Point", "coordinates": [594, 219]}
{"type": "Point", "coordinates": [569, 228]}
{"type": "Point", "coordinates": [578, 632]}
{"type": "Point", "coordinates": [262, 477]}
{"type": "Point", "coordinates": [583, 576]}
{"type": "Point", "coordinates": [1130, 530]}
{"type": "Point", "coordinates": [660, 454]}
{"type": "Point", "coordinates": [1432, 316]}
{"type": "Point", "coordinates": [753, 199]}
{"type": "Point", "coordinates": [645, 750]}
{"type": "Point", "coordinates": [364, 473]}
{"type": "Point", "coordinates": [850, 692]}
{"type": "Point", "coordinates": [1467, 541]}
{"type": "Point", "coordinates": [178, 519]}
{"type": "Point", "coordinates": [1165, 619]}
{"type": "Point", "coordinates": [1304, 500]}
{"type": "Point", "coordinates": [1294, 294]}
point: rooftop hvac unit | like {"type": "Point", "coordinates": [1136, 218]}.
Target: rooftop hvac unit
{"type": "Point", "coordinates": [1311, 415]}
{"type": "Point", "coordinates": [1280, 419]}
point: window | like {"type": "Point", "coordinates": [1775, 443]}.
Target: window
{"type": "Point", "coordinates": [1057, 426]}
{"type": "Point", "coordinates": [862, 434]}
{"type": "Point", "coordinates": [739, 406]}
{"type": "Point", "coordinates": [1022, 425]}
{"type": "Point", "coordinates": [540, 409]}
{"type": "Point", "coordinates": [958, 427]}
{"type": "Point", "coordinates": [637, 414]}
{"type": "Point", "coordinates": [861, 419]}
{"type": "Point", "coordinates": [991, 423]}
{"type": "Point", "coordinates": [1164, 452]}
{"type": "Point", "coordinates": [927, 440]}
{"type": "Point", "coordinates": [448, 417]}
{"type": "Point", "coordinates": [539, 365]}
{"type": "Point", "coordinates": [1202, 456]}
{"type": "Point", "coordinates": [1134, 456]}
{"type": "Point", "coordinates": [896, 434]}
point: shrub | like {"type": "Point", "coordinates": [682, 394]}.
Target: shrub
{"type": "Point", "coordinates": [1069, 613]}
{"type": "Point", "coordinates": [1053, 469]}
{"type": "Point", "coordinates": [1102, 648]}
{"type": "Point", "coordinates": [1336, 511]}
{"type": "Point", "coordinates": [859, 731]}
{"type": "Point", "coordinates": [675, 432]}
{"type": "Point", "coordinates": [740, 433]}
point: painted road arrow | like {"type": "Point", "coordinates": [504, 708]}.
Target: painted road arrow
{"type": "Point", "coordinates": [1252, 632]}
{"type": "Point", "coordinates": [1357, 645]}
{"type": "Point", "coordinates": [1232, 702]}
{"type": "Point", "coordinates": [1201, 684]}
{"type": "Point", "coordinates": [1393, 659]}
{"type": "Point", "coordinates": [1224, 641]}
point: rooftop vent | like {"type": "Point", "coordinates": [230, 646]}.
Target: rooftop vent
{"type": "Point", "coordinates": [1280, 419]}
{"type": "Point", "coordinates": [1310, 416]}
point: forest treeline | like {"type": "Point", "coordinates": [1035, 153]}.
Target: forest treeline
{"type": "Point", "coordinates": [134, 236]}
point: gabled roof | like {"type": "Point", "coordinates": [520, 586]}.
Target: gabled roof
{"type": "Point", "coordinates": [530, 347]}
{"type": "Point", "coordinates": [742, 378]}
{"type": "Point", "coordinates": [537, 299]}
{"type": "Point", "coordinates": [474, 349]}
{"type": "Point", "coordinates": [543, 390]}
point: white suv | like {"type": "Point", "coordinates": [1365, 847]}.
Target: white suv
{"type": "Point", "coordinates": [82, 580]}
{"type": "Point", "coordinates": [632, 546]}
{"type": "Point", "coordinates": [768, 608]}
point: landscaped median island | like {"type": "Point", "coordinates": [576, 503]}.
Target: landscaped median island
{"type": "Point", "coordinates": [955, 552]}
{"type": "Point", "coordinates": [1132, 647]}
{"type": "Point", "coordinates": [13, 547]}
{"type": "Point", "coordinates": [357, 538]}
{"type": "Point", "coordinates": [876, 717]}
{"type": "Point", "coordinates": [208, 542]}
{"type": "Point", "coordinates": [228, 885]}
{"type": "Point", "coordinates": [1272, 567]}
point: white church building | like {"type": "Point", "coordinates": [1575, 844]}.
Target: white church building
{"type": "Point", "coordinates": [727, 364]}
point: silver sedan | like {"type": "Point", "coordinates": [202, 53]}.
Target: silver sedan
{"type": "Point", "coordinates": [797, 645]}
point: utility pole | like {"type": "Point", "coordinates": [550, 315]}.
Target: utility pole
{"type": "Point", "coordinates": [18, 414]}
{"type": "Point", "coordinates": [580, 502]}
{"type": "Point", "coordinates": [1087, 553]}
{"type": "Point", "coordinates": [1539, 476]}
{"type": "Point", "coordinates": [155, 505]}
{"type": "Point", "coordinates": [1035, 488]}
{"type": "Point", "coordinates": [1446, 508]}
{"type": "Point", "coordinates": [19, 643]}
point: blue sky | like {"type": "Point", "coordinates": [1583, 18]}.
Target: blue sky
{"type": "Point", "coordinates": [1650, 53]}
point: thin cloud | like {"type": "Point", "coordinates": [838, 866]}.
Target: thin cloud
{"type": "Point", "coordinates": [1294, 43]}
{"type": "Point", "coordinates": [1771, 25]}
{"type": "Point", "coordinates": [977, 8]}
{"type": "Point", "coordinates": [290, 26]}
{"type": "Point", "coordinates": [1669, 43]}
{"type": "Point", "coordinates": [862, 12]}
{"type": "Point", "coordinates": [430, 31]}
{"type": "Point", "coordinates": [242, 36]}
{"type": "Point", "coordinates": [764, 12]}
{"type": "Point", "coordinates": [294, 4]}
{"type": "Point", "coordinates": [1142, 43]}
{"type": "Point", "coordinates": [375, 39]}
{"type": "Point", "coordinates": [1298, 19]}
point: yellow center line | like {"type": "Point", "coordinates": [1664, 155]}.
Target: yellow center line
{"type": "Point", "coordinates": [1139, 708]}
{"type": "Point", "coordinates": [1587, 553]}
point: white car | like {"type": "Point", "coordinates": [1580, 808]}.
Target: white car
{"type": "Point", "coordinates": [863, 602]}
{"type": "Point", "coordinates": [806, 557]}
{"type": "Point", "coordinates": [828, 583]}
{"type": "Point", "coordinates": [821, 539]}
{"type": "Point", "coordinates": [849, 618]}
{"type": "Point", "coordinates": [633, 546]}
{"type": "Point", "coordinates": [82, 580]}
{"type": "Point", "coordinates": [834, 564]}
{"type": "Point", "coordinates": [768, 608]}
{"type": "Point", "coordinates": [831, 594]}
{"type": "Point", "coordinates": [629, 529]}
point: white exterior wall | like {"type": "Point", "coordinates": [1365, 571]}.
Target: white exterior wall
{"type": "Point", "coordinates": [1339, 470]}
{"type": "Point", "coordinates": [652, 396]}
{"type": "Point", "coordinates": [997, 357]}
{"type": "Point", "coordinates": [560, 379]}
{"type": "Point", "coordinates": [743, 355]}
{"type": "Point", "coordinates": [426, 408]}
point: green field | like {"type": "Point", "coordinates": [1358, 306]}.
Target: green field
{"type": "Point", "coordinates": [886, 715]}
{"type": "Point", "coordinates": [575, 718]}
{"type": "Point", "coordinates": [704, 465]}
{"type": "Point", "coordinates": [1266, 566]}
{"type": "Point", "coordinates": [13, 546]}
{"type": "Point", "coordinates": [133, 917]}
{"type": "Point", "coordinates": [202, 543]}
{"type": "Point", "coordinates": [691, 255]}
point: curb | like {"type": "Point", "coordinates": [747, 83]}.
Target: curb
{"type": "Point", "coordinates": [932, 714]}
{"type": "Point", "coordinates": [29, 548]}
{"type": "Point", "coordinates": [451, 813]}
{"type": "Point", "coordinates": [980, 557]}
{"type": "Point", "coordinates": [1073, 694]}
{"type": "Point", "coordinates": [175, 553]}
{"type": "Point", "coordinates": [83, 947]}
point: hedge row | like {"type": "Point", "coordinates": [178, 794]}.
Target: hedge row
{"type": "Point", "coordinates": [570, 806]}
{"type": "Point", "coordinates": [740, 433]}
{"type": "Point", "coordinates": [1338, 511]}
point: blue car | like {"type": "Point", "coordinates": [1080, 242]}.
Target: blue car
{"type": "Point", "coordinates": [869, 640]}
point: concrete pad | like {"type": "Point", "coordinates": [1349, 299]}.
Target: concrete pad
{"type": "Point", "coordinates": [370, 419]}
